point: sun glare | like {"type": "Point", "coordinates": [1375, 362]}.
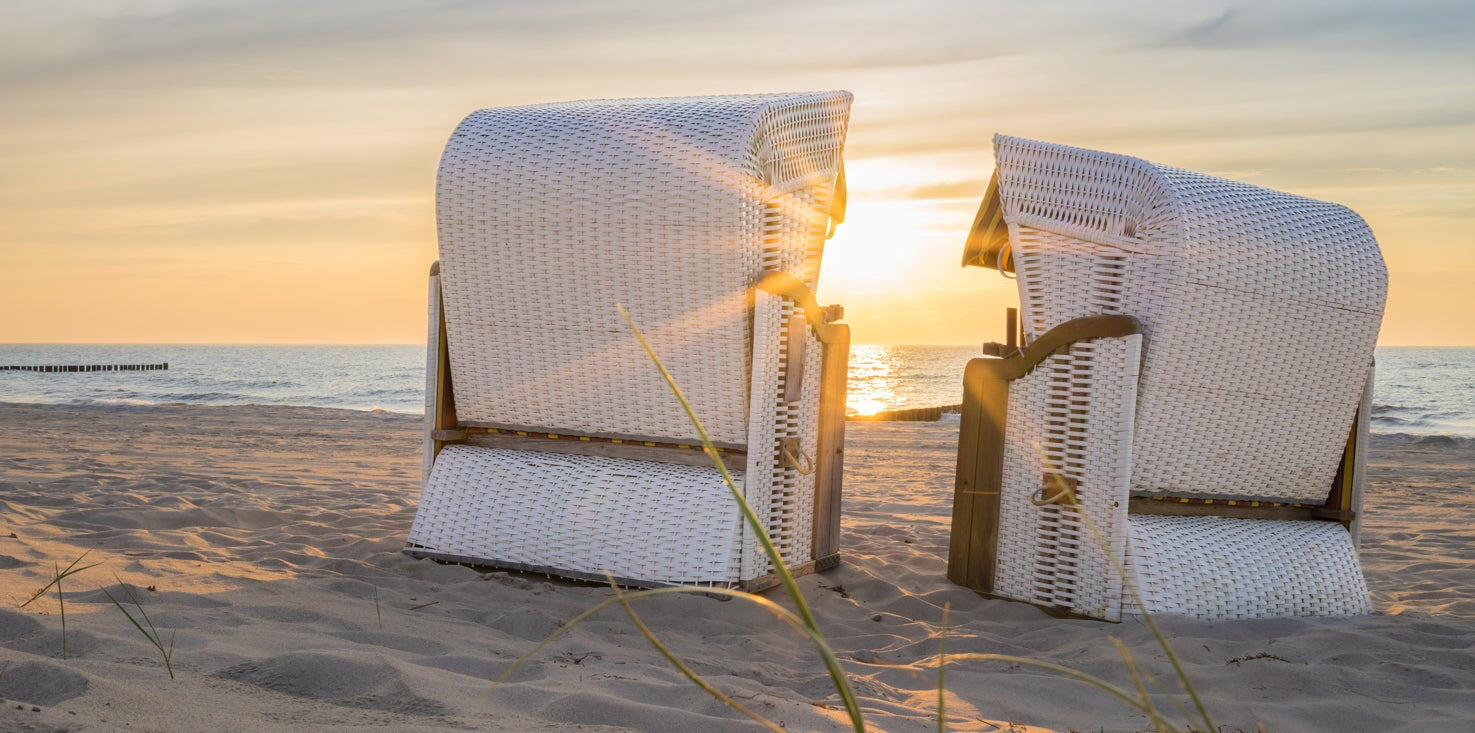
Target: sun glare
{"type": "Point", "coordinates": [873, 249]}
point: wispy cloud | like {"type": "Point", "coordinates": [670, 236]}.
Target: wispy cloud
{"type": "Point", "coordinates": [1334, 25]}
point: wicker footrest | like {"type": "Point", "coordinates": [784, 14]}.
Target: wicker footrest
{"type": "Point", "coordinates": [1221, 568]}
{"type": "Point", "coordinates": [644, 523]}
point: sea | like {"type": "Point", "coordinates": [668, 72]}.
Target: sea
{"type": "Point", "coordinates": [1418, 391]}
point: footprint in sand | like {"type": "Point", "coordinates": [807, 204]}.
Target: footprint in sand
{"type": "Point", "coordinates": [40, 683]}
{"type": "Point", "coordinates": [346, 679]}
{"type": "Point", "coordinates": [22, 633]}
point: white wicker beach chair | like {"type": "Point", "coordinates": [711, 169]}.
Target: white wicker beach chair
{"type": "Point", "coordinates": [552, 443]}
{"type": "Point", "coordinates": [1189, 400]}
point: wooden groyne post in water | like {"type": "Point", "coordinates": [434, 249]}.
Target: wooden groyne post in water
{"type": "Point", "coordinates": [87, 368]}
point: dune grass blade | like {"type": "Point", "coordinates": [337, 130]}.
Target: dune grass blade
{"type": "Point", "coordinates": [61, 607]}
{"type": "Point", "coordinates": [376, 608]}
{"type": "Point", "coordinates": [1173, 659]}
{"type": "Point", "coordinates": [1136, 673]}
{"type": "Point", "coordinates": [681, 667]}
{"type": "Point", "coordinates": [57, 576]}
{"type": "Point", "coordinates": [1127, 697]}
{"type": "Point", "coordinates": [786, 579]}
{"type": "Point", "coordinates": [941, 672]}
{"type": "Point", "coordinates": [1157, 634]}
{"type": "Point", "coordinates": [782, 613]}
{"type": "Point", "coordinates": [1150, 677]}
{"type": "Point", "coordinates": [1167, 648]}
{"type": "Point", "coordinates": [151, 633]}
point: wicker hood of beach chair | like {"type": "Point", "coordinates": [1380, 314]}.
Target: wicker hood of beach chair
{"type": "Point", "coordinates": [553, 444]}
{"type": "Point", "coordinates": [1201, 431]}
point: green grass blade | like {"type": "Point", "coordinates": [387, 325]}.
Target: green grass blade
{"type": "Point", "coordinates": [61, 604]}
{"type": "Point", "coordinates": [70, 571]}
{"type": "Point", "coordinates": [1198, 703]}
{"type": "Point", "coordinates": [57, 576]}
{"type": "Point", "coordinates": [681, 666]}
{"type": "Point", "coordinates": [141, 610]}
{"type": "Point", "coordinates": [1136, 597]}
{"type": "Point", "coordinates": [786, 579]}
{"type": "Point", "coordinates": [1131, 665]}
{"type": "Point", "coordinates": [1100, 684]}
{"type": "Point", "coordinates": [151, 633]}
{"type": "Point", "coordinates": [941, 673]}
{"type": "Point", "coordinates": [782, 613]}
{"type": "Point", "coordinates": [1173, 698]}
{"type": "Point", "coordinates": [1134, 671]}
{"type": "Point", "coordinates": [136, 625]}
{"type": "Point", "coordinates": [776, 609]}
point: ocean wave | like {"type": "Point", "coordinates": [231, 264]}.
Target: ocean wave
{"type": "Point", "coordinates": [386, 392]}
{"type": "Point", "coordinates": [114, 401]}
{"type": "Point", "coordinates": [1395, 411]}
{"type": "Point", "coordinates": [1392, 420]}
{"type": "Point", "coordinates": [206, 398]}
{"type": "Point", "coordinates": [258, 384]}
{"type": "Point", "coordinates": [1424, 424]}
{"type": "Point", "coordinates": [1426, 439]}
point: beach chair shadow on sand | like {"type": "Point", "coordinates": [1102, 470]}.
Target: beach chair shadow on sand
{"type": "Point", "coordinates": [552, 442]}
{"type": "Point", "coordinates": [1186, 398]}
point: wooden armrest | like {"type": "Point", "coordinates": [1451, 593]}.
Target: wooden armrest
{"type": "Point", "coordinates": [1079, 329]}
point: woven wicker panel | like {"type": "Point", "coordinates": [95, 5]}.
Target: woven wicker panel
{"type": "Point", "coordinates": [654, 522]}
{"type": "Point", "coordinates": [797, 525]}
{"type": "Point", "coordinates": [1054, 277]}
{"type": "Point", "coordinates": [779, 494]}
{"type": "Point", "coordinates": [790, 512]}
{"type": "Point", "coordinates": [1291, 417]}
{"type": "Point", "coordinates": [549, 215]}
{"type": "Point", "coordinates": [1222, 568]}
{"type": "Point", "coordinates": [1072, 415]}
{"type": "Point", "coordinates": [1024, 464]}
{"type": "Point", "coordinates": [1261, 310]}
{"type": "Point", "coordinates": [767, 368]}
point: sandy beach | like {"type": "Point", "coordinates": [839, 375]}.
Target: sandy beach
{"type": "Point", "coordinates": [267, 540]}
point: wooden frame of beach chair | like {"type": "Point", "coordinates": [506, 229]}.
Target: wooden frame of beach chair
{"type": "Point", "coordinates": [1189, 407]}
{"type": "Point", "coordinates": [552, 444]}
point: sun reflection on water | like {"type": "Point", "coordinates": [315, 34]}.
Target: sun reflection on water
{"type": "Point", "coordinates": [898, 377]}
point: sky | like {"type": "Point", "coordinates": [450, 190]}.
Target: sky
{"type": "Point", "coordinates": [262, 171]}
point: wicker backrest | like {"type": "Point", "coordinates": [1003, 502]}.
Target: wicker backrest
{"type": "Point", "coordinates": [1261, 310]}
{"type": "Point", "coordinates": [550, 215]}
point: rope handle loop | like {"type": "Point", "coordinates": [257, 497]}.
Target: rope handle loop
{"type": "Point", "coordinates": [790, 454]}
{"type": "Point", "coordinates": [1058, 489]}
